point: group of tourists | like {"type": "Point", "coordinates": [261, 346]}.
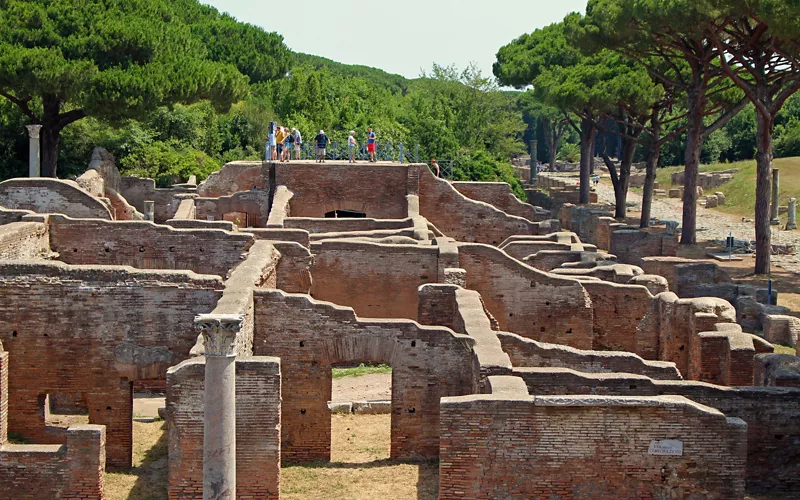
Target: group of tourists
{"type": "Point", "coordinates": [282, 141]}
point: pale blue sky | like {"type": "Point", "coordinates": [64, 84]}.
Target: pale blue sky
{"type": "Point", "coordinates": [401, 37]}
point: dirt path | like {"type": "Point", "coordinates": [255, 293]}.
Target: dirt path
{"type": "Point", "coordinates": [711, 224]}
{"type": "Point", "coordinates": [372, 387]}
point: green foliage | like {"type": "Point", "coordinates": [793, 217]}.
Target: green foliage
{"type": "Point", "coordinates": [569, 152]}
{"type": "Point", "coordinates": [168, 162]}
{"type": "Point", "coordinates": [361, 370]}
{"type": "Point", "coordinates": [481, 166]}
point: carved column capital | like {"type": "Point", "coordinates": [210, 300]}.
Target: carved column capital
{"type": "Point", "coordinates": [33, 131]}
{"type": "Point", "coordinates": [219, 333]}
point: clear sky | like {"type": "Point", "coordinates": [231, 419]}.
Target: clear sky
{"type": "Point", "coordinates": [401, 37]}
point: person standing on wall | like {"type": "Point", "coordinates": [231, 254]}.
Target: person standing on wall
{"type": "Point", "coordinates": [352, 145]}
{"type": "Point", "coordinates": [280, 136]}
{"type": "Point", "coordinates": [288, 146]}
{"type": "Point", "coordinates": [371, 144]}
{"type": "Point", "coordinates": [322, 142]}
{"type": "Point", "coordinates": [271, 143]}
{"type": "Point", "coordinates": [298, 143]}
{"type": "Point", "coordinates": [436, 166]}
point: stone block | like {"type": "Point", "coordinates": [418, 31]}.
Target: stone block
{"type": "Point", "coordinates": [720, 197]}
{"type": "Point", "coordinates": [340, 407]}
{"type": "Point", "coordinates": [372, 407]}
{"type": "Point", "coordinates": [712, 201]}
{"type": "Point", "coordinates": [676, 193]}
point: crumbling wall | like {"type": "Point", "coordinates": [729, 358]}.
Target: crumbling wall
{"type": "Point", "coordinates": [377, 280]}
{"type": "Point", "coordinates": [686, 277]}
{"type": "Point", "coordinates": [43, 195]}
{"type": "Point", "coordinates": [498, 194]}
{"type": "Point", "coordinates": [322, 225]}
{"type": "Point", "coordinates": [770, 414]}
{"type": "Point", "coordinates": [632, 246]}
{"type": "Point", "coordinates": [258, 428]}
{"type": "Point", "coordinates": [619, 312]}
{"type": "Point", "coordinates": [145, 245]}
{"type": "Point", "coordinates": [510, 445]}
{"type": "Point", "coordinates": [89, 332]}
{"type": "Point", "coordinates": [311, 337]}
{"type": "Point", "coordinates": [137, 190]}
{"type": "Point", "coordinates": [254, 204]}
{"type": "Point", "coordinates": [527, 301]}
{"type": "Point", "coordinates": [379, 191]}
{"type": "Point", "coordinates": [469, 220]}
{"type": "Point", "coordinates": [235, 176]}
{"type": "Point", "coordinates": [24, 241]}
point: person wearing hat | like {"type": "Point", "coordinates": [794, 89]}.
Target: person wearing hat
{"type": "Point", "coordinates": [352, 145]}
{"type": "Point", "coordinates": [322, 142]}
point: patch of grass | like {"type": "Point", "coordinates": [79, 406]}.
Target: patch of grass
{"type": "Point", "coordinates": [14, 438]}
{"type": "Point", "coordinates": [360, 370]}
{"type": "Point", "coordinates": [784, 349]}
{"type": "Point", "coordinates": [740, 192]}
{"type": "Point", "coordinates": [147, 479]}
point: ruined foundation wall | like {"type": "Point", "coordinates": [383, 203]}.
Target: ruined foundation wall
{"type": "Point", "coordinates": [89, 332]}
{"type": "Point", "coordinates": [258, 428]}
{"type": "Point", "coordinates": [254, 205]}
{"type": "Point", "coordinates": [137, 190]}
{"type": "Point", "coordinates": [527, 301]}
{"type": "Point", "coordinates": [43, 195]}
{"type": "Point", "coordinates": [145, 245]}
{"type": "Point", "coordinates": [513, 445]}
{"type": "Point", "coordinates": [311, 337]}
{"type": "Point", "coordinates": [770, 413]}
{"type": "Point", "coordinates": [378, 191]}
{"type": "Point", "coordinates": [498, 194]}
{"type": "Point", "coordinates": [24, 241]}
{"type": "Point", "coordinates": [377, 280]}
{"type": "Point", "coordinates": [465, 219]}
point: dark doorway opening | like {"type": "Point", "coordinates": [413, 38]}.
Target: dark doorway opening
{"type": "Point", "coordinates": [345, 214]}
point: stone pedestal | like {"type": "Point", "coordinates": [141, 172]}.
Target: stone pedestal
{"type": "Point", "coordinates": [219, 404]}
{"type": "Point", "coordinates": [775, 185]}
{"type": "Point", "coordinates": [792, 223]}
{"type": "Point", "coordinates": [149, 210]}
{"type": "Point", "coordinates": [34, 162]}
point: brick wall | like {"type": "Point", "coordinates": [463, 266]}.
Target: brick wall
{"type": "Point", "coordinates": [258, 428]}
{"type": "Point", "coordinates": [377, 280]}
{"type": "Point", "coordinates": [773, 452]}
{"type": "Point", "coordinates": [619, 311]}
{"type": "Point", "coordinates": [511, 446]}
{"type": "Point", "coordinates": [530, 353]}
{"type": "Point", "coordinates": [499, 195]}
{"type": "Point", "coordinates": [465, 219]}
{"type": "Point", "coordinates": [24, 241]}
{"type": "Point", "coordinates": [235, 176]}
{"type": "Point", "coordinates": [166, 203]}
{"type": "Point", "coordinates": [631, 246]}
{"type": "Point", "coordinates": [89, 332]}
{"type": "Point", "coordinates": [379, 191]}
{"type": "Point", "coordinates": [527, 301]}
{"type": "Point", "coordinates": [51, 196]}
{"type": "Point", "coordinates": [685, 275]}
{"type": "Point", "coordinates": [145, 245]}
{"type": "Point", "coordinates": [311, 337]}
{"type": "Point", "coordinates": [322, 225]}
{"type": "Point", "coordinates": [253, 203]}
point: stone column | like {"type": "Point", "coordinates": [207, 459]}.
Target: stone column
{"type": "Point", "coordinates": [534, 154]}
{"type": "Point", "coordinates": [792, 223]}
{"type": "Point", "coordinates": [219, 404]}
{"type": "Point", "coordinates": [149, 210]}
{"type": "Point", "coordinates": [34, 164]}
{"type": "Point", "coordinates": [775, 184]}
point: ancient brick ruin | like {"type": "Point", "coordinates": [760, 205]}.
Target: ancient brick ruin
{"type": "Point", "coordinates": [537, 353]}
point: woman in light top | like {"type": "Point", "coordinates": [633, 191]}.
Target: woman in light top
{"type": "Point", "coordinates": [352, 145]}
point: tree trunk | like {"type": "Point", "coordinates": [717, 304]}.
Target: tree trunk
{"type": "Point", "coordinates": [621, 191]}
{"type": "Point", "coordinates": [649, 183]}
{"type": "Point", "coordinates": [694, 142]}
{"type": "Point", "coordinates": [587, 153]}
{"type": "Point", "coordinates": [50, 135]}
{"type": "Point", "coordinates": [552, 144]}
{"type": "Point", "coordinates": [763, 192]}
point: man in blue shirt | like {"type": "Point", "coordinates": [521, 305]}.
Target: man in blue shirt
{"type": "Point", "coordinates": [371, 144]}
{"type": "Point", "coordinates": [322, 142]}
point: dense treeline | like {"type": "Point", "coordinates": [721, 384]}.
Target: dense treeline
{"type": "Point", "coordinates": [174, 88]}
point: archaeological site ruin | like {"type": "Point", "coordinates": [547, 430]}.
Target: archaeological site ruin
{"type": "Point", "coordinates": [535, 352]}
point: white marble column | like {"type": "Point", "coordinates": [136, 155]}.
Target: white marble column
{"type": "Point", "coordinates": [34, 162]}
{"type": "Point", "coordinates": [219, 404]}
{"type": "Point", "coordinates": [792, 223]}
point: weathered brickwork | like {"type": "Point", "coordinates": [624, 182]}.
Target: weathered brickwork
{"type": "Point", "coordinates": [44, 196]}
{"type": "Point", "coordinates": [378, 191]}
{"type": "Point", "coordinates": [527, 301]}
{"type": "Point", "coordinates": [131, 325]}
{"type": "Point", "coordinates": [166, 201]}
{"type": "Point", "coordinates": [258, 428]}
{"type": "Point", "coordinates": [387, 276]}
{"type": "Point", "coordinates": [495, 446]}
{"type": "Point", "coordinates": [24, 241]}
{"type": "Point", "coordinates": [499, 195]}
{"type": "Point", "coordinates": [311, 337]}
{"type": "Point", "coordinates": [253, 204]}
{"type": "Point", "coordinates": [773, 452]}
{"type": "Point", "coordinates": [145, 245]}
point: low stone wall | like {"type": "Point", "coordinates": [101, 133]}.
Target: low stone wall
{"type": "Point", "coordinates": [770, 414]}
{"type": "Point", "coordinates": [498, 194]}
{"type": "Point", "coordinates": [281, 208]}
{"type": "Point", "coordinates": [508, 444]}
{"type": "Point", "coordinates": [234, 177]}
{"type": "Point", "coordinates": [250, 208]}
{"type": "Point", "coordinates": [320, 225]}
{"type": "Point", "coordinates": [24, 241]}
{"type": "Point", "coordinates": [166, 201]}
{"type": "Point", "coordinates": [258, 428]}
{"type": "Point", "coordinates": [686, 275]}
{"type": "Point", "coordinates": [42, 195]}
{"type": "Point", "coordinates": [530, 353]}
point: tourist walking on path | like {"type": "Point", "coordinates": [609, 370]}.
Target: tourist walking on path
{"type": "Point", "coordinates": [322, 142]}
{"type": "Point", "coordinates": [352, 145]}
{"type": "Point", "coordinates": [371, 144]}
{"type": "Point", "coordinates": [298, 143]}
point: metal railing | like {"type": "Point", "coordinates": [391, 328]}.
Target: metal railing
{"type": "Point", "coordinates": [384, 151]}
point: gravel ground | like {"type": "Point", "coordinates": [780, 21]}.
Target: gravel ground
{"type": "Point", "coordinates": [711, 225]}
